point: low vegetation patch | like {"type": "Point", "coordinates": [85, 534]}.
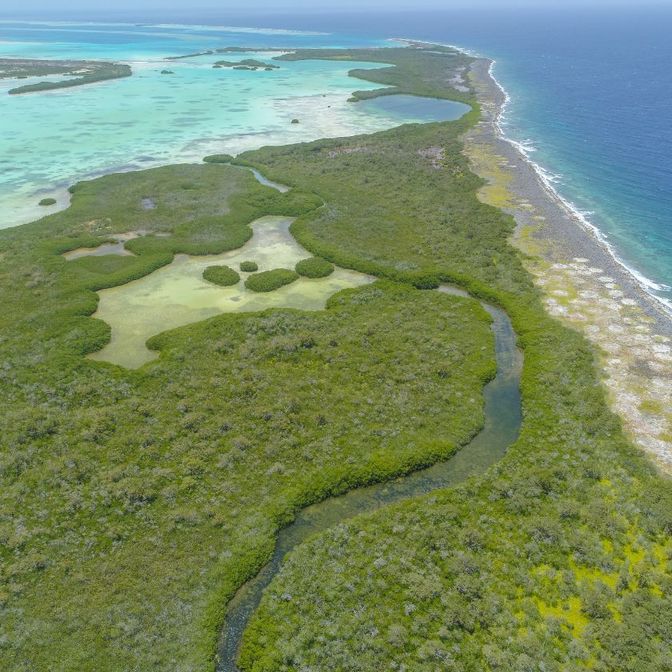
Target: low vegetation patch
{"type": "Point", "coordinates": [267, 281]}
{"type": "Point", "coordinates": [80, 72]}
{"type": "Point", "coordinates": [48, 201]}
{"type": "Point", "coordinates": [247, 64]}
{"type": "Point", "coordinates": [249, 266]}
{"type": "Point", "coordinates": [221, 275]}
{"type": "Point", "coordinates": [218, 158]}
{"type": "Point", "coordinates": [314, 267]}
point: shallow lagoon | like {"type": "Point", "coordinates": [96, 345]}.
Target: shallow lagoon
{"type": "Point", "coordinates": [51, 140]}
{"type": "Point", "coordinates": [408, 109]}
{"type": "Point", "coordinates": [177, 294]}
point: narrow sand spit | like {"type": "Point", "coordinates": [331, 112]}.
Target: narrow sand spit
{"type": "Point", "coordinates": [582, 283]}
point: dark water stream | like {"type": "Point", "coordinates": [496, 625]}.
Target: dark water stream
{"type": "Point", "coordinates": [502, 424]}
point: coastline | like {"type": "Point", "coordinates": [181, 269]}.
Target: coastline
{"type": "Point", "coordinates": [322, 114]}
{"type": "Point", "coordinates": [495, 93]}
{"type": "Point", "coordinates": [580, 218]}
{"type": "Point", "coordinates": [582, 280]}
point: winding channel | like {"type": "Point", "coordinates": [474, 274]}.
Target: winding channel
{"type": "Point", "coordinates": [501, 428]}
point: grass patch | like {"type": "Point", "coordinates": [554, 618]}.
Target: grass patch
{"type": "Point", "coordinates": [249, 266]}
{"type": "Point", "coordinates": [221, 275]}
{"type": "Point", "coordinates": [315, 267]}
{"type": "Point", "coordinates": [267, 281]}
{"type": "Point", "coordinates": [218, 158]}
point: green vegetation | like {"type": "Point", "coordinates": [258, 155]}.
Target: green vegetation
{"type": "Point", "coordinates": [414, 71]}
{"type": "Point", "coordinates": [218, 158]}
{"type": "Point", "coordinates": [134, 503]}
{"type": "Point", "coordinates": [47, 201]}
{"type": "Point", "coordinates": [315, 267]}
{"type": "Point", "coordinates": [246, 64]}
{"type": "Point", "coordinates": [221, 275]}
{"type": "Point", "coordinates": [167, 72]}
{"type": "Point", "coordinates": [81, 72]}
{"type": "Point", "coordinates": [249, 266]}
{"type": "Point", "coordinates": [270, 280]}
{"type": "Point", "coordinates": [560, 555]}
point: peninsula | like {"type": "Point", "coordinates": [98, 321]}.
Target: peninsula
{"type": "Point", "coordinates": [420, 468]}
{"type": "Point", "coordinates": [78, 73]}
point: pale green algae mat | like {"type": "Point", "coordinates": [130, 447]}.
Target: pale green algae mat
{"type": "Point", "coordinates": [177, 294]}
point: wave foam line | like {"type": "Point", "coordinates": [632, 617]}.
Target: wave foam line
{"type": "Point", "coordinates": [548, 180]}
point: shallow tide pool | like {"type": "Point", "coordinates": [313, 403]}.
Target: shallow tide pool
{"type": "Point", "coordinates": [177, 294]}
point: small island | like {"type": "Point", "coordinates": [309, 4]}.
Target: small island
{"type": "Point", "coordinates": [80, 72]}
{"type": "Point", "coordinates": [246, 64]}
{"type": "Point", "coordinates": [268, 281]}
{"type": "Point", "coordinates": [224, 276]}
{"type": "Point", "coordinates": [314, 267]}
{"type": "Point", "coordinates": [47, 201]}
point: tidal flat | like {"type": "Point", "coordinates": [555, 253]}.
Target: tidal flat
{"type": "Point", "coordinates": [177, 294]}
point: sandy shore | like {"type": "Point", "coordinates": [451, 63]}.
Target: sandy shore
{"type": "Point", "coordinates": [582, 282]}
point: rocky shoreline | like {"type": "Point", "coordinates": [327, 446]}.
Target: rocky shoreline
{"type": "Point", "coordinates": [582, 283]}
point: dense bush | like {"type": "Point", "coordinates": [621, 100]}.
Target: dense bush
{"type": "Point", "coordinates": [249, 266]}
{"type": "Point", "coordinates": [314, 267]}
{"type": "Point", "coordinates": [559, 556]}
{"type": "Point", "coordinates": [96, 72]}
{"type": "Point", "coordinates": [267, 281]}
{"type": "Point", "coordinates": [218, 158]}
{"type": "Point", "coordinates": [221, 275]}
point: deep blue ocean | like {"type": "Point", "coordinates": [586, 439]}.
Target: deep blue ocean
{"type": "Point", "coordinates": [591, 99]}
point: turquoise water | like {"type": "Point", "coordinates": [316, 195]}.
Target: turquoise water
{"type": "Point", "coordinates": [590, 103]}
{"type": "Point", "coordinates": [591, 94]}
{"type": "Point", "coordinates": [415, 108]}
{"type": "Point", "coordinates": [51, 140]}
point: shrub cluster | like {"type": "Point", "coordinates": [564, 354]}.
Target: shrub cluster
{"type": "Point", "coordinates": [267, 281]}
{"type": "Point", "coordinates": [221, 275]}
{"type": "Point", "coordinates": [314, 267]}
{"type": "Point", "coordinates": [249, 266]}
{"type": "Point", "coordinates": [218, 158]}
